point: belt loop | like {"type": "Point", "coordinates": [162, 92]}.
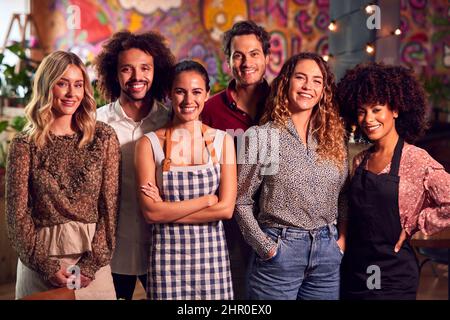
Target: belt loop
{"type": "Point", "coordinates": [283, 233]}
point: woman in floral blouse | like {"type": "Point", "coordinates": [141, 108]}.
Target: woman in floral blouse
{"type": "Point", "coordinates": [396, 187]}
{"type": "Point", "coordinates": [62, 187]}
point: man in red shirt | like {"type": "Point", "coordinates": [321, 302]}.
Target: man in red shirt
{"type": "Point", "coordinates": [237, 108]}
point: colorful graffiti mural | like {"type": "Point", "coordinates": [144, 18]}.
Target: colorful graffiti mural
{"type": "Point", "coordinates": [194, 28]}
{"type": "Point", "coordinates": [425, 34]}
{"type": "Point", "coordinates": [425, 46]}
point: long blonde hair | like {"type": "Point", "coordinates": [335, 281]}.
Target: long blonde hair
{"type": "Point", "coordinates": [39, 110]}
{"type": "Point", "coordinates": [325, 123]}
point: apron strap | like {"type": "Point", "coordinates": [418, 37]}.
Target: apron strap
{"type": "Point", "coordinates": [395, 162]}
{"type": "Point", "coordinates": [362, 165]}
{"type": "Point", "coordinates": [168, 148]}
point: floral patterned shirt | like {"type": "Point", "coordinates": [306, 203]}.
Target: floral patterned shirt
{"type": "Point", "coordinates": [424, 191]}
{"type": "Point", "coordinates": [59, 183]}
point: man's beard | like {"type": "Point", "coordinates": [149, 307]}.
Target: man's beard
{"type": "Point", "coordinates": [130, 96]}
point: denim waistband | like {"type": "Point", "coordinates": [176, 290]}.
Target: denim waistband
{"type": "Point", "coordinates": [286, 232]}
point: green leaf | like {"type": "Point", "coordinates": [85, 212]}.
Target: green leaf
{"type": "Point", "coordinates": [18, 123]}
{"type": "Point", "coordinates": [17, 49]}
{"type": "Point", "coordinates": [3, 125]}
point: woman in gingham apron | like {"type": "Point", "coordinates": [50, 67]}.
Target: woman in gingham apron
{"type": "Point", "coordinates": [188, 256]}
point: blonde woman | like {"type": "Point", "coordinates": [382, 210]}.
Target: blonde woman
{"type": "Point", "coordinates": [62, 187]}
{"type": "Point", "coordinates": [289, 181]}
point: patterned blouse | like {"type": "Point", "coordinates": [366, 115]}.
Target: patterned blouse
{"type": "Point", "coordinates": [424, 191]}
{"type": "Point", "coordinates": [282, 183]}
{"type": "Point", "coordinates": [60, 183]}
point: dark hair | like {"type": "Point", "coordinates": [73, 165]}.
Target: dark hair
{"type": "Point", "coordinates": [189, 65]}
{"type": "Point", "coordinates": [149, 42]}
{"type": "Point", "coordinates": [394, 86]}
{"type": "Point", "coordinates": [242, 28]}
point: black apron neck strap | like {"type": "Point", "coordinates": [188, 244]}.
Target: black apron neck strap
{"type": "Point", "coordinates": [395, 162]}
{"type": "Point", "coordinates": [366, 158]}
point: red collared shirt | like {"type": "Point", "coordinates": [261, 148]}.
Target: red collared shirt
{"type": "Point", "coordinates": [221, 111]}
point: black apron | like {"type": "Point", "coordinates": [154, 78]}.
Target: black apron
{"type": "Point", "coordinates": [373, 230]}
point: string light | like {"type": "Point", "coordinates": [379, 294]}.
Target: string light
{"type": "Point", "coordinates": [332, 26]}
{"type": "Point", "coordinates": [370, 49]}
{"type": "Point", "coordinates": [370, 9]}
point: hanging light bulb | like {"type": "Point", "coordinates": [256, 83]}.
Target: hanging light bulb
{"type": "Point", "coordinates": [332, 26]}
{"type": "Point", "coordinates": [370, 9]}
{"type": "Point", "coordinates": [398, 32]}
{"type": "Point", "coordinates": [370, 49]}
{"type": "Point", "coordinates": [326, 57]}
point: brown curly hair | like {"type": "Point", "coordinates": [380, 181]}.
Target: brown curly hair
{"type": "Point", "coordinates": [379, 84]}
{"type": "Point", "coordinates": [325, 123]}
{"type": "Point", "coordinates": [150, 42]}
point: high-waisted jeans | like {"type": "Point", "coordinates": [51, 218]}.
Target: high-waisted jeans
{"type": "Point", "coordinates": [305, 267]}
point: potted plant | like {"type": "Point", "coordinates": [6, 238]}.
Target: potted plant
{"type": "Point", "coordinates": [16, 80]}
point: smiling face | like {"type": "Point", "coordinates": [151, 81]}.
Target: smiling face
{"type": "Point", "coordinates": [305, 86]}
{"type": "Point", "coordinates": [68, 92]}
{"type": "Point", "coordinates": [188, 95]}
{"type": "Point", "coordinates": [135, 74]}
{"type": "Point", "coordinates": [247, 60]}
{"type": "Point", "coordinates": [377, 122]}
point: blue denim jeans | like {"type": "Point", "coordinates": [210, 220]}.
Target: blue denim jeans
{"type": "Point", "coordinates": [305, 267]}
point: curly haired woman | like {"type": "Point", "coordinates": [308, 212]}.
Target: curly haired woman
{"type": "Point", "coordinates": [289, 181]}
{"type": "Point", "coordinates": [396, 188]}
{"type": "Point", "coordinates": [62, 187]}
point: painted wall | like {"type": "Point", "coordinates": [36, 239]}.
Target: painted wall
{"type": "Point", "coordinates": [425, 46]}
{"type": "Point", "coordinates": [193, 27]}
{"type": "Point", "coordinates": [426, 34]}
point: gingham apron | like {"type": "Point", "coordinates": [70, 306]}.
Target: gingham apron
{"type": "Point", "coordinates": [188, 261]}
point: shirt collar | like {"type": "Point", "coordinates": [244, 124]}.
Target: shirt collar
{"type": "Point", "coordinates": [123, 116]}
{"type": "Point", "coordinates": [231, 103]}
{"type": "Point", "coordinates": [312, 141]}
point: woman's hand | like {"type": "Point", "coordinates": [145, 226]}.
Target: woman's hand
{"type": "Point", "coordinates": [341, 244]}
{"type": "Point", "coordinates": [60, 278]}
{"type": "Point", "coordinates": [212, 199]}
{"type": "Point", "coordinates": [401, 239]}
{"type": "Point", "coordinates": [84, 281]}
{"type": "Point", "coordinates": [272, 253]}
{"type": "Point", "coordinates": [151, 191]}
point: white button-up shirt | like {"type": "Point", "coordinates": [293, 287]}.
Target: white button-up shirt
{"type": "Point", "coordinates": [130, 256]}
